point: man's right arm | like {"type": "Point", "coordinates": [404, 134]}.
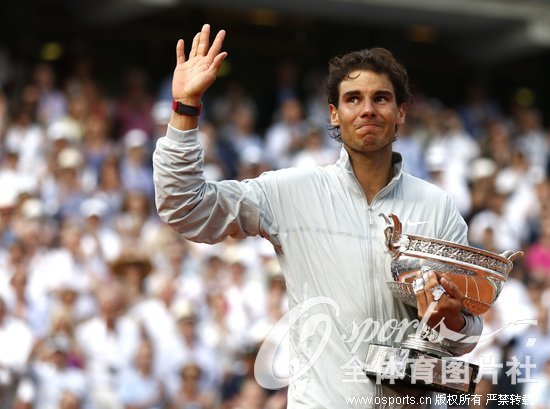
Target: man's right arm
{"type": "Point", "coordinates": [200, 210]}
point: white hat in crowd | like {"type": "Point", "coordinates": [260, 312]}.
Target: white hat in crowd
{"type": "Point", "coordinates": [135, 138]}
{"type": "Point", "coordinates": [64, 129]}
{"type": "Point", "coordinates": [93, 206]}
{"type": "Point", "coordinates": [70, 158]}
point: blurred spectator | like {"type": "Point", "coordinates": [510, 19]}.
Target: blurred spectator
{"type": "Point", "coordinates": [99, 236]}
{"type": "Point", "coordinates": [133, 107]}
{"type": "Point", "coordinates": [497, 145]}
{"type": "Point", "coordinates": [276, 305]}
{"type": "Point", "coordinates": [155, 316]}
{"type": "Point", "coordinates": [160, 113]}
{"type": "Point", "coordinates": [539, 393]}
{"type": "Point", "coordinates": [412, 151]}
{"type": "Point", "coordinates": [212, 274]}
{"type": "Point", "coordinates": [97, 144]}
{"type": "Point", "coordinates": [64, 191]}
{"type": "Point", "coordinates": [533, 346]}
{"type": "Point", "coordinates": [245, 295]}
{"type": "Point", "coordinates": [514, 322]}
{"type": "Point", "coordinates": [12, 259]}
{"type": "Point", "coordinates": [52, 103]}
{"type": "Point", "coordinates": [194, 348]}
{"type": "Point", "coordinates": [68, 268]}
{"type": "Point", "coordinates": [81, 80]}
{"type": "Point", "coordinates": [482, 183]}
{"type": "Point", "coordinates": [131, 268]}
{"type": "Point", "coordinates": [22, 306]}
{"type": "Point", "coordinates": [77, 113]}
{"type": "Point", "coordinates": [506, 234]}
{"type": "Point", "coordinates": [137, 386]}
{"type": "Point", "coordinates": [541, 207]}
{"type": "Point", "coordinates": [488, 355]}
{"type": "Point", "coordinates": [109, 343]}
{"type": "Point", "coordinates": [220, 157]}
{"type": "Point", "coordinates": [287, 133]}
{"type": "Point", "coordinates": [241, 371]}
{"type": "Point", "coordinates": [190, 393]}
{"type": "Point", "coordinates": [52, 374]}
{"type": "Point", "coordinates": [314, 152]}
{"type": "Point", "coordinates": [61, 135]}
{"type": "Point", "coordinates": [240, 132]}
{"type": "Point", "coordinates": [13, 181]}
{"type": "Point", "coordinates": [449, 154]}
{"type": "Point", "coordinates": [531, 138]}
{"type": "Point", "coordinates": [136, 223]}
{"type": "Point", "coordinates": [234, 97]}
{"type": "Point", "coordinates": [70, 401]}
{"type": "Point", "coordinates": [537, 256]}
{"type": "Point", "coordinates": [251, 396]}
{"type": "Point", "coordinates": [316, 104]}
{"type": "Point", "coordinates": [254, 163]}
{"type": "Point", "coordinates": [176, 265]}
{"type": "Point", "coordinates": [135, 170]}
{"type": "Point", "coordinates": [287, 85]}
{"type": "Point", "coordinates": [478, 110]}
{"type": "Point", "coordinates": [518, 181]}
{"type": "Point", "coordinates": [16, 340]}
{"type": "Point", "coordinates": [25, 138]}
{"type": "Point", "coordinates": [63, 326]}
{"type": "Point", "coordinates": [109, 188]}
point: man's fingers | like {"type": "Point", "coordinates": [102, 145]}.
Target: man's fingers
{"type": "Point", "coordinates": [451, 288]}
{"type": "Point", "coordinates": [216, 45]}
{"type": "Point", "coordinates": [180, 52]}
{"type": "Point", "coordinates": [215, 66]}
{"type": "Point", "coordinates": [204, 40]}
{"type": "Point", "coordinates": [195, 45]}
{"type": "Point", "coordinates": [201, 47]}
{"type": "Point", "coordinates": [421, 301]}
{"type": "Point", "coordinates": [431, 283]}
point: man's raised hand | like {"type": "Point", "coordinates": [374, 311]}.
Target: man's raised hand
{"type": "Point", "coordinates": [194, 75]}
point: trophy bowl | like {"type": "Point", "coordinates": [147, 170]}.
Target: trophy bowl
{"type": "Point", "coordinates": [479, 274]}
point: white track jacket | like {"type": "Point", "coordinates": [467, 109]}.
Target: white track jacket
{"type": "Point", "coordinates": [331, 247]}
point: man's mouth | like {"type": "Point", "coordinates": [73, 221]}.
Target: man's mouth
{"type": "Point", "coordinates": [369, 126]}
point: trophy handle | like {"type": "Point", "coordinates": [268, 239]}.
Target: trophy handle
{"type": "Point", "coordinates": [392, 232]}
{"type": "Point", "coordinates": [512, 255]}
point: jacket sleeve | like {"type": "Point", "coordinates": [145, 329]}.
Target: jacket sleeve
{"type": "Point", "coordinates": [201, 210]}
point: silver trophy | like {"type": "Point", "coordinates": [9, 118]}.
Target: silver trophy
{"type": "Point", "coordinates": [423, 359]}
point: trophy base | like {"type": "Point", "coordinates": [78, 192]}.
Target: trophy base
{"type": "Point", "coordinates": [388, 364]}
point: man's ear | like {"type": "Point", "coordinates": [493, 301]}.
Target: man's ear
{"type": "Point", "coordinates": [334, 120]}
{"type": "Point", "coordinates": [401, 114]}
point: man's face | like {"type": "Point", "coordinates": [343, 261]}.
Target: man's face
{"type": "Point", "coordinates": [367, 113]}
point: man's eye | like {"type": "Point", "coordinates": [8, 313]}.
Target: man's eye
{"type": "Point", "coordinates": [353, 99]}
{"type": "Point", "coordinates": [381, 98]}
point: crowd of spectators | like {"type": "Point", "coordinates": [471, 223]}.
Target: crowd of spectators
{"type": "Point", "coordinates": [102, 306]}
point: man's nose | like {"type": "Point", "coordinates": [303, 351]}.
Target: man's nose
{"type": "Point", "coordinates": [368, 107]}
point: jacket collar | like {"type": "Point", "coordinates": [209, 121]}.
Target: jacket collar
{"type": "Point", "coordinates": [344, 163]}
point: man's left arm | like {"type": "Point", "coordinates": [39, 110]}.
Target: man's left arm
{"type": "Point", "coordinates": [459, 325]}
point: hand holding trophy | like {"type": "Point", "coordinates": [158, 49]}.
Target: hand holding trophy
{"type": "Point", "coordinates": [476, 274]}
